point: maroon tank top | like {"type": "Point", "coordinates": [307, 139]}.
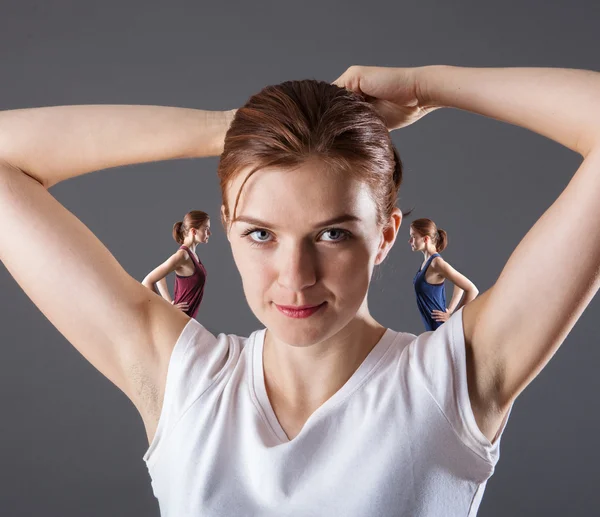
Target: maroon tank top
{"type": "Point", "coordinates": [190, 289]}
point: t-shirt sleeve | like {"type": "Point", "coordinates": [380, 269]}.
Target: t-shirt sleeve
{"type": "Point", "coordinates": [198, 360]}
{"type": "Point", "coordinates": [439, 358]}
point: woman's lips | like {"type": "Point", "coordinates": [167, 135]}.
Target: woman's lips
{"type": "Point", "coordinates": [299, 311]}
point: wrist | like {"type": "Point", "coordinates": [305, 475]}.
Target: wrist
{"type": "Point", "coordinates": [433, 84]}
{"type": "Point", "coordinates": [213, 126]}
{"type": "Point", "coordinates": [224, 122]}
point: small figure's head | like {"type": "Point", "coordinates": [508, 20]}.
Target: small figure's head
{"type": "Point", "coordinates": [425, 235]}
{"type": "Point", "coordinates": [194, 229]}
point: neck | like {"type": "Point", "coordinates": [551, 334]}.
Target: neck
{"type": "Point", "coordinates": [428, 252]}
{"type": "Point", "coordinates": [303, 378]}
{"type": "Point", "coordinates": [190, 244]}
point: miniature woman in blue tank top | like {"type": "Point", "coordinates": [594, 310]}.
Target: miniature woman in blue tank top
{"type": "Point", "coordinates": [429, 281]}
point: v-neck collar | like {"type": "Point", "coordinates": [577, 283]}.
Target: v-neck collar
{"type": "Point", "coordinates": [427, 262]}
{"type": "Point", "coordinates": [192, 254]}
{"type": "Point", "coordinates": [259, 390]}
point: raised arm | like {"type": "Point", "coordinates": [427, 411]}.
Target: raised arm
{"type": "Point", "coordinates": [117, 324]}
{"type": "Point", "coordinates": [56, 143]}
{"type": "Point", "coordinates": [507, 345]}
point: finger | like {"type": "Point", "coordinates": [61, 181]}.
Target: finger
{"type": "Point", "coordinates": [341, 80]}
{"type": "Point", "coordinates": [350, 79]}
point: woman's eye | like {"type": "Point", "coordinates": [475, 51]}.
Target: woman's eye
{"type": "Point", "coordinates": [260, 235]}
{"type": "Point", "coordinates": [335, 235]}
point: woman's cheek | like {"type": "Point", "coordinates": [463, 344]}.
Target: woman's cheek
{"type": "Point", "coordinates": [348, 274]}
{"type": "Point", "coordinates": [257, 273]}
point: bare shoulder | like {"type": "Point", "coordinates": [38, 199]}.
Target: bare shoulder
{"type": "Point", "coordinates": [179, 258]}
{"type": "Point", "coordinates": [181, 255]}
{"type": "Point", "coordinates": [438, 264]}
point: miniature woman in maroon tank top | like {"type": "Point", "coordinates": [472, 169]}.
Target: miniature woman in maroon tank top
{"type": "Point", "coordinates": [190, 274]}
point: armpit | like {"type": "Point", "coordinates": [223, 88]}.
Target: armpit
{"type": "Point", "coordinates": [146, 395]}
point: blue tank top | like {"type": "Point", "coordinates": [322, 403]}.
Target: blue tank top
{"type": "Point", "coordinates": [430, 297]}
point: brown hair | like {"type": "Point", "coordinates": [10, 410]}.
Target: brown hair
{"type": "Point", "coordinates": [287, 124]}
{"type": "Point", "coordinates": [427, 228]}
{"type": "Point", "coordinates": [194, 219]}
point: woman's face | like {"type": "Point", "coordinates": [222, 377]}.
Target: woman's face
{"type": "Point", "coordinates": [305, 242]}
{"type": "Point", "coordinates": [416, 241]}
{"type": "Point", "coordinates": [202, 233]}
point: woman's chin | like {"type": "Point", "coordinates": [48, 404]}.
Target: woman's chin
{"type": "Point", "coordinates": [301, 332]}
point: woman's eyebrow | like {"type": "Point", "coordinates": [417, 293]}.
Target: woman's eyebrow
{"type": "Point", "coordinates": [329, 222]}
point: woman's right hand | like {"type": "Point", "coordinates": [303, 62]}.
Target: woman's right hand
{"type": "Point", "coordinates": [440, 316]}
{"type": "Point", "coordinates": [181, 305]}
{"type": "Point", "coordinates": [398, 94]}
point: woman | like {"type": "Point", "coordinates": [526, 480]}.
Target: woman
{"type": "Point", "coordinates": [430, 240]}
{"type": "Point", "coordinates": [190, 274]}
{"type": "Point", "coordinates": [324, 411]}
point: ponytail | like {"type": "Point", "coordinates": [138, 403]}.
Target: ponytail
{"type": "Point", "coordinates": [178, 233]}
{"type": "Point", "coordinates": [442, 240]}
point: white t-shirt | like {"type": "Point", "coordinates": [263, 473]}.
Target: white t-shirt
{"type": "Point", "coordinates": [398, 439]}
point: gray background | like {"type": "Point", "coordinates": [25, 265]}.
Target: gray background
{"type": "Point", "coordinates": [71, 443]}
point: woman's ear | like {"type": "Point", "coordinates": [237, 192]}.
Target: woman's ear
{"type": "Point", "coordinates": [388, 235]}
{"type": "Point", "coordinates": [225, 221]}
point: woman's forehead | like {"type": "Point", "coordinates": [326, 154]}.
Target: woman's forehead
{"type": "Point", "coordinates": [306, 193]}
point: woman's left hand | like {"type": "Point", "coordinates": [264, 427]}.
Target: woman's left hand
{"type": "Point", "coordinates": [396, 93]}
{"type": "Point", "coordinates": [441, 316]}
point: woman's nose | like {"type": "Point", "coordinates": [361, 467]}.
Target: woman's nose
{"type": "Point", "coordinates": [297, 269]}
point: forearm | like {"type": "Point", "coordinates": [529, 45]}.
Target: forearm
{"type": "Point", "coordinates": [56, 143]}
{"type": "Point", "coordinates": [457, 295]}
{"type": "Point", "coordinates": [146, 282]}
{"type": "Point", "coordinates": [469, 296]}
{"type": "Point", "coordinates": [561, 104]}
{"type": "Point", "coordinates": [163, 289]}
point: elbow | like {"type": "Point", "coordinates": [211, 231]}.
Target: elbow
{"type": "Point", "coordinates": [12, 175]}
{"type": "Point", "coordinates": [588, 144]}
{"type": "Point", "coordinates": [13, 162]}
{"type": "Point", "coordinates": [472, 292]}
